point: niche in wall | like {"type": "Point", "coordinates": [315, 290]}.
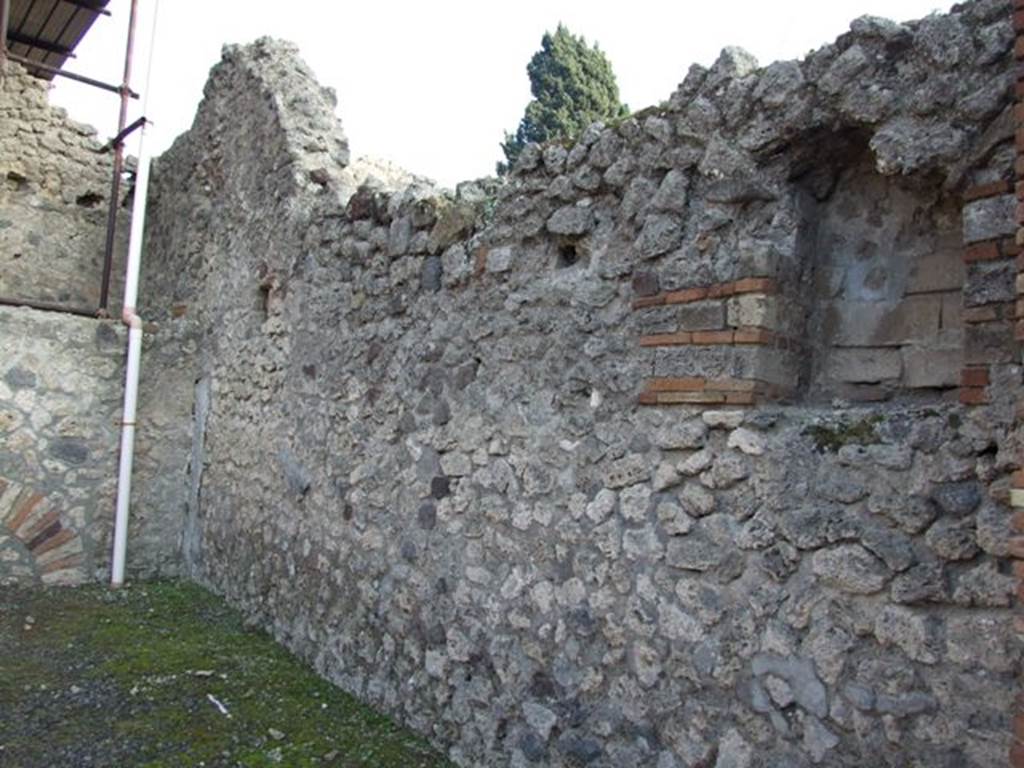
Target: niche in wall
{"type": "Point", "coordinates": [884, 310]}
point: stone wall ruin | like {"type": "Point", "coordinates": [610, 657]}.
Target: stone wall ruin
{"type": "Point", "coordinates": [690, 445]}
{"type": "Point", "coordinates": [61, 375]}
{"type": "Point", "coordinates": [54, 188]}
{"type": "Point", "coordinates": [484, 458]}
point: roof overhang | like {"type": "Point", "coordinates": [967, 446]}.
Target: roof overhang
{"type": "Point", "coordinates": [47, 31]}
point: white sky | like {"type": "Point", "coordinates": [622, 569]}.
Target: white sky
{"type": "Point", "coordinates": [433, 85]}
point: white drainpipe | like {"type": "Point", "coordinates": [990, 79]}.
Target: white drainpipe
{"type": "Point", "coordinates": [131, 378]}
{"type": "Point", "coordinates": [134, 323]}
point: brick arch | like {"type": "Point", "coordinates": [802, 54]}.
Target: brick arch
{"type": "Point", "coordinates": [54, 548]}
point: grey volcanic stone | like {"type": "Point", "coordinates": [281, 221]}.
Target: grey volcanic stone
{"type": "Point", "coordinates": [957, 499]}
{"type": "Point", "coordinates": [628, 470]}
{"type": "Point", "coordinates": [925, 582]}
{"type": "Point", "coordinates": [680, 435]}
{"type": "Point", "coordinates": [19, 378]}
{"type": "Point", "coordinates": [989, 218]}
{"type": "Point", "coordinates": [70, 449]}
{"type": "Point", "coordinates": [571, 220]}
{"type": "Point", "coordinates": [850, 568]}
{"type": "Point", "coordinates": [807, 689]}
{"type": "Point", "coordinates": [694, 552]}
{"type": "Point", "coordinates": [659, 235]}
{"type": "Point", "coordinates": [953, 539]}
{"type": "Point", "coordinates": [430, 277]}
{"type": "Point", "coordinates": [540, 718]}
{"type": "Point", "coordinates": [912, 632]}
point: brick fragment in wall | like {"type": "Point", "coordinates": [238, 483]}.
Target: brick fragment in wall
{"type": "Point", "coordinates": [645, 283]}
{"type": "Point", "coordinates": [730, 337]}
{"type": "Point", "coordinates": [713, 337]}
{"type": "Point", "coordinates": [686, 295]}
{"type": "Point", "coordinates": [759, 336]}
{"type": "Point", "coordinates": [713, 291]}
{"type": "Point", "coordinates": [973, 396]}
{"type": "Point", "coordinates": [987, 250]}
{"type": "Point", "coordinates": [989, 313]}
{"type": "Point", "coordinates": [646, 302]}
{"type": "Point", "coordinates": [974, 377]}
{"type": "Point", "coordinates": [993, 188]}
{"type": "Point", "coordinates": [679, 338]}
{"type": "Point", "coordinates": [705, 397]}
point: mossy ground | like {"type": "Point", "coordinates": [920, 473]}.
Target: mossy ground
{"type": "Point", "coordinates": [93, 677]}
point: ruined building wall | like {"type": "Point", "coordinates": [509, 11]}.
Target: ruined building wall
{"type": "Point", "coordinates": [60, 391]}
{"type": "Point", "coordinates": [490, 463]}
{"type": "Point", "coordinates": [54, 189]}
{"type": "Point", "coordinates": [985, 251]}
{"type": "Point", "coordinates": [61, 375]}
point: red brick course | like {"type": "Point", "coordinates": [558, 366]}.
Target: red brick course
{"type": "Point", "coordinates": [764, 285]}
{"type": "Point", "coordinates": [701, 391]}
{"type": "Point", "coordinates": [987, 190]}
{"type": "Point", "coordinates": [992, 250]}
{"type": "Point", "coordinates": [974, 377]}
{"type": "Point", "coordinates": [973, 396]}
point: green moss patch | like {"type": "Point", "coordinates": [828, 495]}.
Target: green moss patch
{"type": "Point", "coordinates": [832, 437]}
{"type": "Point", "coordinates": [144, 676]}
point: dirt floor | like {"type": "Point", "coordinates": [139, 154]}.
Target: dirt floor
{"type": "Point", "coordinates": [165, 674]}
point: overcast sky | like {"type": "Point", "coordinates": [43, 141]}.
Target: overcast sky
{"type": "Point", "coordinates": [433, 85]}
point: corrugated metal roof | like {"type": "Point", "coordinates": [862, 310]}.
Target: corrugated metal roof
{"type": "Point", "coordinates": [47, 31]}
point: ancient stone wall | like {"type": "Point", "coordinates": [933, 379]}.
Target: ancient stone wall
{"type": "Point", "coordinates": [61, 375]}
{"type": "Point", "coordinates": [59, 410]}
{"type": "Point", "coordinates": [54, 188]}
{"type": "Point", "coordinates": [986, 252]}
{"type": "Point", "coordinates": [489, 462]}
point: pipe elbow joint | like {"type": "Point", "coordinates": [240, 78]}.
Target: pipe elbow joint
{"type": "Point", "coordinates": [131, 319]}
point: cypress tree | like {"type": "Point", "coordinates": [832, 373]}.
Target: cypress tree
{"type": "Point", "coordinates": [572, 85]}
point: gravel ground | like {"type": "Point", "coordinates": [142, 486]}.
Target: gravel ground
{"type": "Point", "coordinates": [165, 674]}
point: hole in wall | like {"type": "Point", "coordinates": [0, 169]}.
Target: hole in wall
{"type": "Point", "coordinates": [570, 252]}
{"type": "Point", "coordinates": [89, 200]}
{"type": "Point", "coordinates": [16, 181]}
{"type": "Point", "coordinates": [567, 255]}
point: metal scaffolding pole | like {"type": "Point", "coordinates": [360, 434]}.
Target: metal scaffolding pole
{"type": "Point", "coordinates": [70, 75]}
{"type": "Point", "coordinates": [115, 182]}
